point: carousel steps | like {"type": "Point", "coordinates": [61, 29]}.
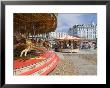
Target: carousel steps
{"type": "Point", "coordinates": [42, 67]}
{"type": "Point", "coordinates": [47, 69]}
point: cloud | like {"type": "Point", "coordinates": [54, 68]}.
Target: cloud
{"type": "Point", "coordinates": [65, 21]}
{"type": "Point", "coordinates": [62, 29]}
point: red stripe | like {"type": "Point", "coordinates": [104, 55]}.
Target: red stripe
{"type": "Point", "coordinates": [38, 68]}
{"type": "Point", "coordinates": [51, 68]}
{"type": "Point", "coordinates": [20, 64]}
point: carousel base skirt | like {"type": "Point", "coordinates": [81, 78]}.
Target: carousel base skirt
{"type": "Point", "coordinates": [38, 66]}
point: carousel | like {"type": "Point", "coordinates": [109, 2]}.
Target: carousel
{"type": "Point", "coordinates": [68, 44]}
{"type": "Point", "coordinates": [33, 56]}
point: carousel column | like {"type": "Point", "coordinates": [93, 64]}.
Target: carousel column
{"type": "Point", "coordinates": [72, 44]}
{"type": "Point", "coordinates": [26, 31]}
{"type": "Point", "coordinates": [65, 45]}
{"type": "Point", "coordinates": [61, 46]}
{"type": "Point", "coordinates": [71, 47]}
{"type": "Point", "coordinates": [35, 36]}
{"type": "Point", "coordinates": [67, 42]}
{"type": "Point", "coordinates": [32, 31]}
{"type": "Point", "coordinates": [80, 44]}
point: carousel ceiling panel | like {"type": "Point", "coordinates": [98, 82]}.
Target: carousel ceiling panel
{"type": "Point", "coordinates": [42, 22]}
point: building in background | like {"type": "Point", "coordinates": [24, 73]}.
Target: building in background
{"type": "Point", "coordinates": [57, 34]}
{"type": "Point", "coordinates": [84, 31]}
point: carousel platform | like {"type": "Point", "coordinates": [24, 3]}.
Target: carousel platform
{"type": "Point", "coordinates": [42, 65]}
{"type": "Point", "coordinates": [69, 50]}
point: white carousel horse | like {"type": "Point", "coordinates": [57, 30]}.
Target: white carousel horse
{"type": "Point", "coordinates": [31, 46]}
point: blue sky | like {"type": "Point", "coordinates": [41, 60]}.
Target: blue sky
{"type": "Point", "coordinates": [65, 21]}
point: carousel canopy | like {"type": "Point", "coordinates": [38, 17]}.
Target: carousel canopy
{"type": "Point", "coordinates": [35, 22]}
{"type": "Point", "coordinates": [68, 37]}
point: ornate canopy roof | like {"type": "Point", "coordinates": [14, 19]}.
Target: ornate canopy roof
{"type": "Point", "coordinates": [35, 22]}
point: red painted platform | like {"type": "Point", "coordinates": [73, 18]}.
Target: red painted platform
{"type": "Point", "coordinates": [36, 66]}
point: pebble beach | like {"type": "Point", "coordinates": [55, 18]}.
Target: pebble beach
{"type": "Point", "coordinates": [82, 63]}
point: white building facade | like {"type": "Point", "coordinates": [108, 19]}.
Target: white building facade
{"type": "Point", "coordinates": [57, 34]}
{"type": "Point", "coordinates": [84, 31]}
{"type": "Point", "coordinates": [49, 36]}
